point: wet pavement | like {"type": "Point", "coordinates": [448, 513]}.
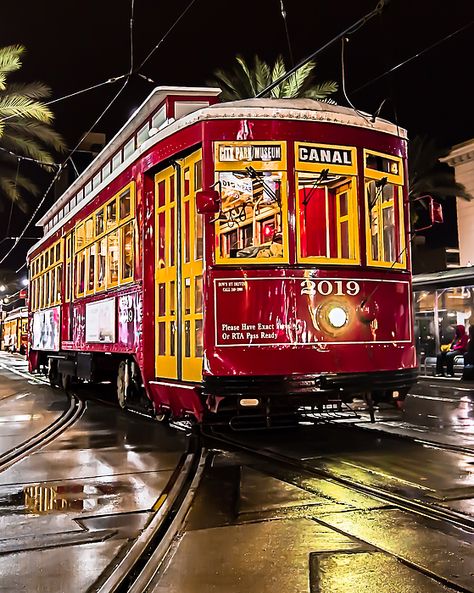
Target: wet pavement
{"type": "Point", "coordinates": [68, 509]}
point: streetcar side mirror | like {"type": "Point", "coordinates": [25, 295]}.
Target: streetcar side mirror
{"type": "Point", "coordinates": [208, 201]}
{"type": "Point", "coordinates": [434, 210]}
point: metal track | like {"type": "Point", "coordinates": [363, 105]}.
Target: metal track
{"type": "Point", "coordinates": [136, 570]}
{"type": "Point", "coordinates": [430, 511]}
{"type": "Point", "coordinates": [42, 438]}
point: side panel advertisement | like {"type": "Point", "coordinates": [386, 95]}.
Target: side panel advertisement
{"type": "Point", "coordinates": [46, 328]}
{"type": "Point", "coordinates": [101, 321]}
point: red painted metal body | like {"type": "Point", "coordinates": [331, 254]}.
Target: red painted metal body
{"type": "Point", "coordinates": [258, 319]}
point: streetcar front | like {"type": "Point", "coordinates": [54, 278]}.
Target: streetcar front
{"type": "Point", "coordinates": [309, 288]}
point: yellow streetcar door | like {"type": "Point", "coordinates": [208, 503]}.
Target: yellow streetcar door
{"type": "Point", "coordinates": [178, 271]}
{"type": "Point", "coordinates": [165, 275]}
{"type": "Point", "coordinates": [192, 248]}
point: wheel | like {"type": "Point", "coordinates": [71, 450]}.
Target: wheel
{"type": "Point", "coordinates": [123, 382]}
{"type": "Point", "coordinates": [65, 381]}
{"type": "Point", "coordinates": [53, 374]}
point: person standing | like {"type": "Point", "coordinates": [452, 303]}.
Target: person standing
{"type": "Point", "coordinates": [458, 346]}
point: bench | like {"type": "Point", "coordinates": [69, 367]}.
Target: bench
{"type": "Point", "coordinates": [428, 366]}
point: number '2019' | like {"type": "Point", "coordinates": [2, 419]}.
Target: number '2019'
{"type": "Point", "coordinates": [327, 287]}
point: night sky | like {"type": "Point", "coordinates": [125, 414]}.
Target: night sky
{"type": "Point", "coordinates": [73, 45]}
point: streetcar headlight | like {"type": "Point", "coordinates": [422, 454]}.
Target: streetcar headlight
{"type": "Point", "coordinates": [337, 317]}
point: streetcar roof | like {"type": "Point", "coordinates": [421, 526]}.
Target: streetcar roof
{"type": "Point", "coordinates": [288, 109]}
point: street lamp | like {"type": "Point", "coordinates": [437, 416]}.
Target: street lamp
{"type": "Point", "coordinates": [2, 288]}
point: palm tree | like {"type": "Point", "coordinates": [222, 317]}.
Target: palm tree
{"type": "Point", "coordinates": [244, 81]}
{"type": "Point", "coordinates": [427, 173]}
{"type": "Point", "coordinates": [25, 128]}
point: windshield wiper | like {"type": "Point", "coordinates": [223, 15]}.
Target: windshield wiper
{"type": "Point", "coordinates": [322, 177]}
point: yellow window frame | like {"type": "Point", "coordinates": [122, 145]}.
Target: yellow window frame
{"type": "Point", "coordinates": [397, 180]}
{"type": "Point", "coordinates": [352, 216]}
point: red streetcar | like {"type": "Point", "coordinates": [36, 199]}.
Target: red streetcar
{"type": "Point", "coordinates": [231, 260]}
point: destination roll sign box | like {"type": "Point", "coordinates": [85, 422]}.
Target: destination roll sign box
{"type": "Point", "coordinates": [318, 154]}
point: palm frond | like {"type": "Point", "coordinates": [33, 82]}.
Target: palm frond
{"type": "Point", "coordinates": [295, 83]}
{"type": "Point", "coordinates": [24, 107]}
{"type": "Point", "coordinates": [28, 147]}
{"type": "Point", "coordinates": [38, 131]}
{"type": "Point", "coordinates": [278, 71]}
{"type": "Point", "coordinates": [322, 90]}
{"type": "Point", "coordinates": [9, 61]}
{"type": "Point", "coordinates": [32, 90]}
{"type": "Point", "coordinates": [262, 74]}
{"type": "Point", "coordinates": [250, 77]}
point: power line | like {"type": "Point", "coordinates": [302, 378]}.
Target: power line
{"type": "Point", "coordinates": [283, 14]}
{"type": "Point", "coordinates": [60, 169]}
{"type": "Point", "coordinates": [413, 57]}
{"type": "Point", "coordinates": [165, 36]}
{"type": "Point", "coordinates": [21, 157]}
{"type": "Point", "coordinates": [74, 94]}
{"type": "Point", "coordinates": [349, 31]}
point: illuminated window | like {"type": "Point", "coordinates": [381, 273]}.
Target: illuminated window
{"type": "Point", "coordinates": [101, 248]}
{"type": "Point", "coordinates": [111, 214]}
{"type": "Point", "coordinates": [385, 234]}
{"type": "Point", "coordinates": [113, 258]}
{"type": "Point", "coordinates": [89, 230]}
{"type": "Point", "coordinates": [125, 204]}
{"type": "Point", "coordinates": [90, 254]}
{"type": "Point", "coordinates": [80, 271]}
{"type": "Point", "coordinates": [127, 251]}
{"type": "Point", "coordinates": [99, 222]}
{"type": "Point", "coordinates": [328, 218]}
{"type": "Point", "coordinates": [251, 220]}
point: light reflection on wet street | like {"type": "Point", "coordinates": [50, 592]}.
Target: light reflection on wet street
{"type": "Point", "coordinates": [68, 509]}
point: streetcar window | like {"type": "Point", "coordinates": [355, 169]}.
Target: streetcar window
{"type": "Point", "coordinates": [101, 250]}
{"type": "Point", "coordinates": [127, 251]}
{"type": "Point", "coordinates": [162, 338]}
{"type": "Point", "coordinates": [129, 148]}
{"type": "Point", "coordinates": [143, 135]}
{"type": "Point", "coordinates": [198, 294]}
{"type": "Point", "coordinates": [125, 204]}
{"type": "Point", "coordinates": [198, 350]}
{"type": "Point", "coordinates": [53, 287]}
{"type": "Point", "coordinates": [117, 160]}
{"type": "Point", "coordinates": [91, 267]}
{"type": "Point", "coordinates": [162, 299]}
{"type": "Point", "coordinates": [79, 236]}
{"type": "Point", "coordinates": [198, 246]}
{"type": "Point", "coordinates": [186, 184]}
{"type": "Point", "coordinates": [80, 274]}
{"type": "Point", "coordinates": [59, 283]}
{"type": "Point", "coordinates": [187, 238]}
{"type": "Point", "coordinates": [328, 219]}
{"type": "Point", "coordinates": [88, 188]}
{"type": "Point", "coordinates": [113, 253]}
{"type": "Point", "coordinates": [99, 222]}
{"type": "Point", "coordinates": [106, 170]}
{"type": "Point", "coordinates": [197, 175]}
{"type": "Point", "coordinates": [58, 252]}
{"type": "Point", "coordinates": [251, 220]}
{"type": "Point", "coordinates": [111, 214]}
{"type": "Point", "coordinates": [96, 180]}
{"type": "Point", "coordinates": [385, 222]}
{"type": "Point", "coordinates": [89, 225]}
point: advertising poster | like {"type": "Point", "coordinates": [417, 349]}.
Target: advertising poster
{"type": "Point", "coordinates": [100, 321]}
{"type": "Point", "coordinates": [46, 328]}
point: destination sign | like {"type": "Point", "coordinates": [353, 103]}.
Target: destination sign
{"type": "Point", "coordinates": [249, 152]}
{"type": "Point", "coordinates": [320, 154]}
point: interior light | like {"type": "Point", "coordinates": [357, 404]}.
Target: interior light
{"type": "Point", "coordinates": [337, 317]}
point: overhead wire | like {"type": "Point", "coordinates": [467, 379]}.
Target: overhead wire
{"type": "Point", "coordinates": [348, 31]}
{"type": "Point", "coordinates": [63, 164]}
{"type": "Point", "coordinates": [413, 57]}
{"type": "Point", "coordinates": [153, 50]}
{"type": "Point", "coordinates": [283, 14]}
